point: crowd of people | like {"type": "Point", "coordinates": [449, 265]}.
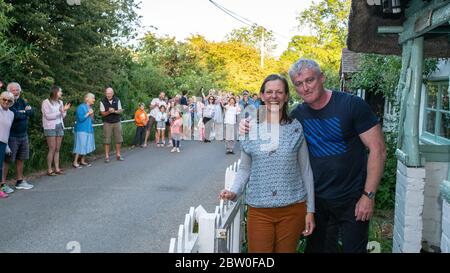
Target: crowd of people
{"type": "Point", "coordinates": [213, 116]}
{"type": "Point", "coordinates": [312, 172]}
{"type": "Point", "coordinates": [178, 118]}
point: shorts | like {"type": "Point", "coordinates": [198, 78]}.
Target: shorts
{"type": "Point", "coordinates": [57, 132]}
{"type": "Point", "coordinates": [112, 128]}
{"type": "Point", "coordinates": [20, 149]}
{"type": "Point", "coordinates": [161, 125]}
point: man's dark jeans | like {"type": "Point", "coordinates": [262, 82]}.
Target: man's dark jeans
{"type": "Point", "coordinates": [336, 220]}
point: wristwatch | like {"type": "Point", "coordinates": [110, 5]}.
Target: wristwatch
{"type": "Point", "coordinates": [370, 194]}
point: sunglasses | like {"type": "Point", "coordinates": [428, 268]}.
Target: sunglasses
{"type": "Point", "coordinates": [7, 100]}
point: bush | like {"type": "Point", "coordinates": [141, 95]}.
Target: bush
{"type": "Point", "coordinates": [386, 191]}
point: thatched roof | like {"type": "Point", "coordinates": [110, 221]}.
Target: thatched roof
{"type": "Point", "coordinates": [364, 21]}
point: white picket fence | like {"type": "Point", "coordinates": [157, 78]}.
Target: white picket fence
{"type": "Point", "coordinates": [218, 232]}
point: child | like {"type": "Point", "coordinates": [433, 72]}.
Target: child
{"type": "Point", "coordinates": [140, 119]}
{"type": "Point", "coordinates": [161, 119]}
{"type": "Point", "coordinates": [176, 129]}
{"type": "Point", "coordinates": [231, 111]}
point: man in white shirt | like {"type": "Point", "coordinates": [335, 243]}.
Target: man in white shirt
{"type": "Point", "coordinates": [154, 109]}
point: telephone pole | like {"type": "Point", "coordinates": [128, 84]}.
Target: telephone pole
{"type": "Point", "coordinates": [262, 47]}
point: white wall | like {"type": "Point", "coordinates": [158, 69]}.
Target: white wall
{"type": "Point", "coordinates": [409, 203]}
{"type": "Point", "coordinates": [435, 173]}
{"type": "Point", "coordinates": [445, 242]}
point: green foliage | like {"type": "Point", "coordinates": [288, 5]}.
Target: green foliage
{"type": "Point", "coordinates": [327, 20]}
{"type": "Point", "coordinates": [381, 229]}
{"type": "Point", "coordinates": [380, 74]}
{"type": "Point", "coordinates": [385, 198]}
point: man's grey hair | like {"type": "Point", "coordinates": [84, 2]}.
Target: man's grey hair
{"type": "Point", "coordinates": [13, 84]}
{"type": "Point", "coordinates": [301, 64]}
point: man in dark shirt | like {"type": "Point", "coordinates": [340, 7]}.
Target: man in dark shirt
{"type": "Point", "coordinates": [18, 139]}
{"type": "Point", "coordinates": [184, 100]}
{"type": "Point", "coordinates": [339, 128]}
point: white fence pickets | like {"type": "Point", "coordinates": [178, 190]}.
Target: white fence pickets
{"type": "Point", "coordinates": [173, 242]}
{"type": "Point", "coordinates": [212, 235]}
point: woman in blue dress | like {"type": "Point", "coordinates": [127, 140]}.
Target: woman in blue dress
{"type": "Point", "coordinates": [84, 132]}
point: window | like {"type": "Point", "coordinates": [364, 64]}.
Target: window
{"type": "Point", "coordinates": [437, 113]}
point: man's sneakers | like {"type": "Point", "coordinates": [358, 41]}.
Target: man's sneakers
{"type": "Point", "coordinates": [178, 150]}
{"type": "Point", "coordinates": [174, 149]}
{"type": "Point", "coordinates": [7, 189]}
{"type": "Point", "coordinates": [24, 185]}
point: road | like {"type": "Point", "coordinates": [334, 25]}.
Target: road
{"type": "Point", "coordinates": [131, 206]}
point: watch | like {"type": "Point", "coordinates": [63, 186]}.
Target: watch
{"type": "Point", "coordinates": [370, 195]}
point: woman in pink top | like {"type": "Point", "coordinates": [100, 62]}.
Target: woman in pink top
{"type": "Point", "coordinates": [176, 129]}
{"type": "Point", "coordinates": [53, 113]}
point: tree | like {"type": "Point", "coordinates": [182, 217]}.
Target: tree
{"type": "Point", "coordinates": [327, 22]}
{"type": "Point", "coordinates": [185, 64]}
{"type": "Point", "coordinates": [11, 53]}
{"type": "Point", "coordinates": [73, 46]}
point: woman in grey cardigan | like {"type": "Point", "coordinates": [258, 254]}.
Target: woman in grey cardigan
{"type": "Point", "coordinates": [275, 169]}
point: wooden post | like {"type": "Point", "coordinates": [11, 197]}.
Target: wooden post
{"type": "Point", "coordinates": [411, 126]}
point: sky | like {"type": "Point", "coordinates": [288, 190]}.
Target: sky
{"type": "Point", "coordinates": [182, 18]}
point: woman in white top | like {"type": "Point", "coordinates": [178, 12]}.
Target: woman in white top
{"type": "Point", "coordinates": [208, 117]}
{"type": "Point", "coordinates": [53, 113]}
{"type": "Point", "coordinates": [231, 111]}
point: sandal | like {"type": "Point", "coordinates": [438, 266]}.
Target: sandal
{"type": "Point", "coordinates": [61, 171]}
{"type": "Point", "coordinates": [76, 166]}
{"type": "Point", "coordinates": [52, 173]}
{"type": "Point", "coordinates": [86, 164]}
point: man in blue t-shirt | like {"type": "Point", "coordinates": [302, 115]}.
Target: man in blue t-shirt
{"type": "Point", "coordinates": [339, 129]}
